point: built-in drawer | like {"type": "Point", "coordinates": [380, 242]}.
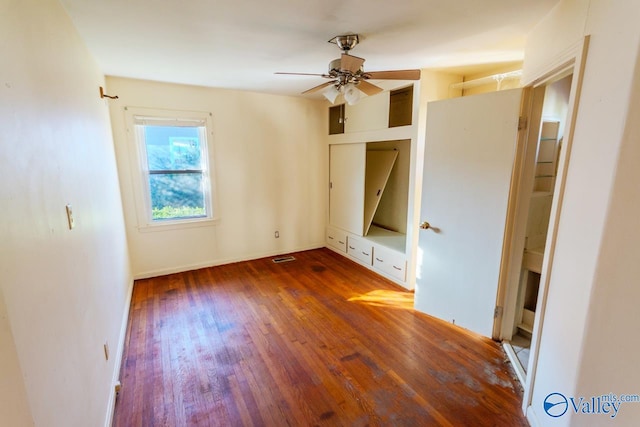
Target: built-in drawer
{"type": "Point", "coordinates": [360, 249]}
{"type": "Point", "coordinates": [390, 262]}
{"type": "Point", "coordinates": [337, 239]}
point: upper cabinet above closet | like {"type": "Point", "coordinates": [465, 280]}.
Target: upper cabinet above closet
{"type": "Point", "coordinates": [401, 107]}
{"type": "Point", "coordinates": [385, 110]}
{"type": "Point", "coordinates": [370, 113]}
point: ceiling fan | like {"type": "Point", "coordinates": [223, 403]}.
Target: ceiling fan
{"type": "Point", "coordinates": [349, 78]}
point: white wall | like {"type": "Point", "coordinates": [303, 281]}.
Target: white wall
{"type": "Point", "coordinates": [270, 168]}
{"type": "Point", "coordinates": [589, 342]}
{"type": "Point", "coordinates": [65, 291]}
{"type": "Point", "coordinates": [553, 36]}
{"type": "Point", "coordinates": [614, 318]}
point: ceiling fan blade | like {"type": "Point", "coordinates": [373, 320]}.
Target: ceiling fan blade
{"type": "Point", "coordinates": [350, 63]}
{"type": "Point", "coordinates": [368, 88]}
{"type": "Point", "coordinates": [319, 87]}
{"type": "Point", "coordinates": [394, 75]}
{"type": "Point", "coordinates": [305, 74]}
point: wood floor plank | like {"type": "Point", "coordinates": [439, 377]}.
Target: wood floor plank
{"type": "Point", "coordinates": [316, 341]}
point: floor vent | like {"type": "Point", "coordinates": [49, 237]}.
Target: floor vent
{"type": "Point", "coordinates": [283, 259]}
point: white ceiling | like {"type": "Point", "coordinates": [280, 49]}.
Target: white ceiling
{"type": "Point", "coordinates": [239, 44]}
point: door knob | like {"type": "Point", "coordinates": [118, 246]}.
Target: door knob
{"type": "Point", "coordinates": [425, 225]}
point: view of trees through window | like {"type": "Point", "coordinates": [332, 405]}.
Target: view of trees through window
{"type": "Point", "coordinates": [175, 167]}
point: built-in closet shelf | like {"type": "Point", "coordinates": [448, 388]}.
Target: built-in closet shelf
{"type": "Point", "coordinates": [547, 156]}
{"type": "Point", "coordinates": [391, 134]}
{"type": "Point", "coordinates": [526, 328]}
{"type": "Point", "coordinates": [528, 318]}
{"type": "Point", "coordinates": [532, 259]}
{"type": "Point", "coordinates": [541, 193]}
{"type": "Point", "coordinates": [387, 238]}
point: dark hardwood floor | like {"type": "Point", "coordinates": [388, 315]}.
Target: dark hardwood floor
{"type": "Point", "coordinates": [316, 341]}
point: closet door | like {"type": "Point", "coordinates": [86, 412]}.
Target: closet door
{"type": "Point", "coordinates": [346, 188]}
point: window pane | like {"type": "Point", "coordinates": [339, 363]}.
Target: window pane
{"type": "Point", "coordinates": [172, 147]}
{"type": "Point", "coordinates": [177, 196]}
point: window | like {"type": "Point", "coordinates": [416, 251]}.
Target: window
{"type": "Point", "coordinates": [173, 160]}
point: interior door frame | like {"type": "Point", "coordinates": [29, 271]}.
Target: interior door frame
{"type": "Point", "coordinates": [572, 61]}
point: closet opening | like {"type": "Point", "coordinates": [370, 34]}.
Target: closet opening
{"type": "Point", "coordinates": [538, 191]}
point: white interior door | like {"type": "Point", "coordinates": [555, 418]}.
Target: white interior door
{"type": "Point", "coordinates": [469, 154]}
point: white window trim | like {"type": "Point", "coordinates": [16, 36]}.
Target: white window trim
{"type": "Point", "coordinates": [139, 167]}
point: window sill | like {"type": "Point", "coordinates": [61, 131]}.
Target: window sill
{"type": "Point", "coordinates": [177, 225]}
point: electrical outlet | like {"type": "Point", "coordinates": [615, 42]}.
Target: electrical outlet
{"type": "Point", "coordinates": [277, 234]}
{"type": "Point", "coordinates": [72, 222]}
{"type": "Point", "coordinates": [106, 350]}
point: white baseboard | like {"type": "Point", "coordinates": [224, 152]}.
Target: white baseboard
{"type": "Point", "coordinates": [223, 261]}
{"type": "Point", "coordinates": [532, 418]}
{"type": "Point", "coordinates": [119, 353]}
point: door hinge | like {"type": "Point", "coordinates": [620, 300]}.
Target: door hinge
{"type": "Point", "coordinates": [330, 185]}
{"type": "Point", "coordinates": [497, 312]}
{"type": "Point", "coordinates": [522, 123]}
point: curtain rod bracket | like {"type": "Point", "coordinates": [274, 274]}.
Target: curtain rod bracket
{"type": "Point", "coordinates": [104, 95]}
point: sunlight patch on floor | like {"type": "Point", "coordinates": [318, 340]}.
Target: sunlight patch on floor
{"type": "Point", "coordinates": [385, 298]}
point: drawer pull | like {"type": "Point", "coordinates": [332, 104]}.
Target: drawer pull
{"type": "Point", "coordinates": [364, 253]}
{"type": "Point", "coordinates": [397, 268]}
{"type": "Point", "coordinates": [379, 260]}
{"type": "Point", "coordinates": [352, 248]}
{"type": "Point", "coordinates": [330, 238]}
{"type": "Point", "coordinates": [341, 242]}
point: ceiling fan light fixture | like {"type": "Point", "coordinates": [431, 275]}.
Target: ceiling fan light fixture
{"type": "Point", "coordinates": [351, 93]}
{"type": "Point", "coordinates": [331, 93]}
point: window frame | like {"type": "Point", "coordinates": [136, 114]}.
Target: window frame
{"type": "Point", "coordinates": [140, 173]}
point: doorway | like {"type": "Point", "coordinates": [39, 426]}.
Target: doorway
{"type": "Point", "coordinates": [541, 162]}
{"type": "Point", "coordinates": [453, 282]}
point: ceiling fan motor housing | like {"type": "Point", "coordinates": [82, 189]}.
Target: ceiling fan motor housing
{"type": "Point", "coordinates": [335, 67]}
